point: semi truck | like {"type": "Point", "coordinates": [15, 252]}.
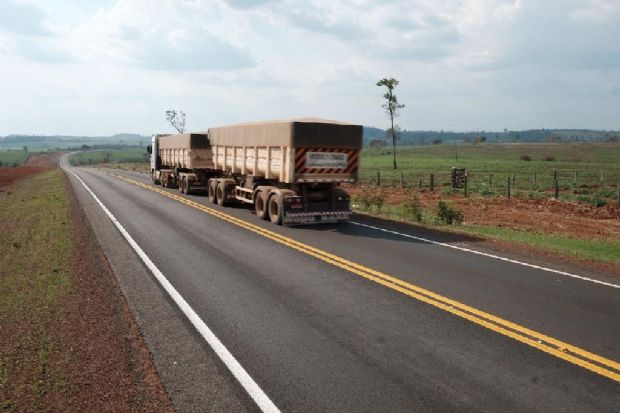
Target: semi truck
{"type": "Point", "coordinates": [288, 171]}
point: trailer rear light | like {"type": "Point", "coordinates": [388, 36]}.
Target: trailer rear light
{"type": "Point", "coordinates": [342, 198]}
{"type": "Point", "coordinates": [291, 199]}
{"type": "Point", "coordinates": [300, 205]}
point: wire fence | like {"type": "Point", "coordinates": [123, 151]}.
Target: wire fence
{"type": "Point", "coordinates": [578, 185]}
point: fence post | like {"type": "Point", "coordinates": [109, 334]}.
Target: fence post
{"type": "Point", "coordinates": [601, 176]}
{"type": "Point", "coordinates": [432, 182]}
{"type": "Point", "coordinates": [618, 195]}
{"type": "Point", "coordinates": [465, 187]}
{"type": "Point", "coordinates": [514, 180]}
{"type": "Point", "coordinates": [534, 179]}
{"type": "Point", "coordinates": [575, 179]}
{"type": "Point", "coordinates": [402, 180]}
{"type": "Point", "coordinates": [556, 189]}
{"type": "Point", "coordinates": [490, 180]}
{"type": "Point", "coordinates": [420, 184]}
{"type": "Point", "coordinates": [555, 176]}
{"type": "Point", "coordinates": [378, 178]}
{"type": "Point", "coordinates": [509, 187]}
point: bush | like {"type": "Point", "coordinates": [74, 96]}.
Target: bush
{"type": "Point", "coordinates": [606, 193]}
{"type": "Point", "coordinates": [372, 196]}
{"type": "Point", "coordinates": [598, 202]}
{"type": "Point", "coordinates": [365, 197]}
{"type": "Point", "coordinates": [595, 201]}
{"type": "Point", "coordinates": [413, 208]}
{"type": "Point", "coordinates": [448, 215]}
{"type": "Point", "coordinates": [549, 158]}
{"type": "Point", "coordinates": [486, 190]}
{"type": "Point", "coordinates": [525, 158]}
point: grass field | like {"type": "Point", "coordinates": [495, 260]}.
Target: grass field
{"type": "Point", "coordinates": [501, 161]}
{"type": "Point", "coordinates": [12, 157]}
{"type": "Point", "coordinates": [34, 278]}
{"type": "Point", "coordinates": [109, 156]}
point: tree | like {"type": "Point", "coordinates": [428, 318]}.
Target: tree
{"type": "Point", "coordinates": [392, 107]}
{"type": "Point", "coordinates": [25, 149]}
{"type": "Point", "coordinates": [377, 143]}
{"type": "Point", "coordinates": [176, 119]}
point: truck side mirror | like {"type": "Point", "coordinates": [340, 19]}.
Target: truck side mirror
{"type": "Point", "coordinates": [149, 149]}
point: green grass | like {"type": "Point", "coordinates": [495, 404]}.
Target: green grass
{"type": "Point", "coordinates": [500, 160]}
{"type": "Point", "coordinates": [12, 157]}
{"type": "Point", "coordinates": [109, 156]}
{"type": "Point", "coordinates": [598, 250]}
{"type": "Point", "coordinates": [34, 279]}
{"type": "Point", "coordinates": [132, 166]}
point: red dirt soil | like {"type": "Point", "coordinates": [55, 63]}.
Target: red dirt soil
{"type": "Point", "coordinates": [34, 164]}
{"type": "Point", "coordinates": [110, 367]}
{"type": "Point", "coordinates": [549, 216]}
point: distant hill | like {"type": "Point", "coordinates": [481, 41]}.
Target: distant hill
{"type": "Point", "coordinates": [42, 142]}
{"type": "Point", "coordinates": [506, 136]}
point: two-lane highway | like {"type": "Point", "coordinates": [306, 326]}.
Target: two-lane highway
{"type": "Point", "coordinates": [353, 318]}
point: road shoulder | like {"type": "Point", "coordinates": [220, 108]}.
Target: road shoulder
{"type": "Point", "coordinates": [191, 373]}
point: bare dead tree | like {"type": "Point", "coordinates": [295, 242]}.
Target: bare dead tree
{"type": "Point", "coordinates": [176, 119]}
{"type": "Point", "coordinates": [392, 108]}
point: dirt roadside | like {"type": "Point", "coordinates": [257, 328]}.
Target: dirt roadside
{"type": "Point", "coordinates": [93, 333]}
{"type": "Point", "coordinates": [549, 216]}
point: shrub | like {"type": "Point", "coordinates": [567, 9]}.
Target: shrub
{"type": "Point", "coordinates": [365, 197]}
{"type": "Point", "coordinates": [370, 196]}
{"type": "Point", "coordinates": [525, 158]}
{"type": "Point", "coordinates": [606, 193]}
{"type": "Point", "coordinates": [536, 195]}
{"type": "Point", "coordinates": [448, 215]}
{"type": "Point", "coordinates": [413, 208]}
{"type": "Point", "coordinates": [486, 190]}
{"type": "Point", "coordinates": [379, 198]}
{"type": "Point", "coordinates": [549, 158]}
{"type": "Point", "coordinates": [595, 201]}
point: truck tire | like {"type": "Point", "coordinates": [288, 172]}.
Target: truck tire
{"type": "Point", "coordinates": [164, 181]}
{"type": "Point", "coordinates": [155, 180]}
{"type": "Point", "coordinates": [188, 187]}
{"type": "Point", "coordinates": [182, 184]}
{"type": "Point", "coordinates": [275, 209]}
{"type": "Point", "coordinates": [260, 205]}
{"type": "Point", "coordinates": [212, 191]}
{"type": "Point", "coordinates": [220, 194]}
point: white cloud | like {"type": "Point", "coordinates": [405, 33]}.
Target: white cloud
{"type": "Point", "coordinates": [22, 18]}
{"type": "Point", "coordinates": [116, 65]}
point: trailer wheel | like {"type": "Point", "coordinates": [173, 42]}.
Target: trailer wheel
{"type": "Point", "coordinates": [260, 205]}
{"type": "Point", "coordinates": [220, 194]}
{"type": "Point", "coordinates": [275, 209]}
{"type": "Point", "coordinates": [164, 180]}
{"type": "Point", "coordinates": [182, 185]}
{"type": "Point", "coordinates": [155, 180]}
{"type": "Point", "coordinates": [212, 191]}
{"type": "Point", "coordinates": [188, 187]}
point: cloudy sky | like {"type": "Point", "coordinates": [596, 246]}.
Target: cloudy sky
{"type": "Point", "coordinates": [105, 66]}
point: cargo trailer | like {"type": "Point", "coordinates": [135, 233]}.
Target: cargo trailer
{"type": "Point", "coordinates": [289, 171]}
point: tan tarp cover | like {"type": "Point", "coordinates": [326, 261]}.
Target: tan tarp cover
{"type": "Point", "coordinates": [184, 141]}
{"type": "Point", "coordinates": [296, 133]}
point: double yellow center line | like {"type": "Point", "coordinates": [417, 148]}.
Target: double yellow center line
{"type": "Point", "coordinates": [590, 361]}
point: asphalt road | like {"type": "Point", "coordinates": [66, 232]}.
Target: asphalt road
{"type": "Point", "coordinates": [329, 333]}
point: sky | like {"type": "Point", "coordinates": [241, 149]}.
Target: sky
{"type": "Point", "coordinates": [101, 67]}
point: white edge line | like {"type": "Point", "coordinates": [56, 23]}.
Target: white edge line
{"type": "Point", "coordinates": [497, 257]}
{"type": "Point", "coordinates": [250, 386]}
